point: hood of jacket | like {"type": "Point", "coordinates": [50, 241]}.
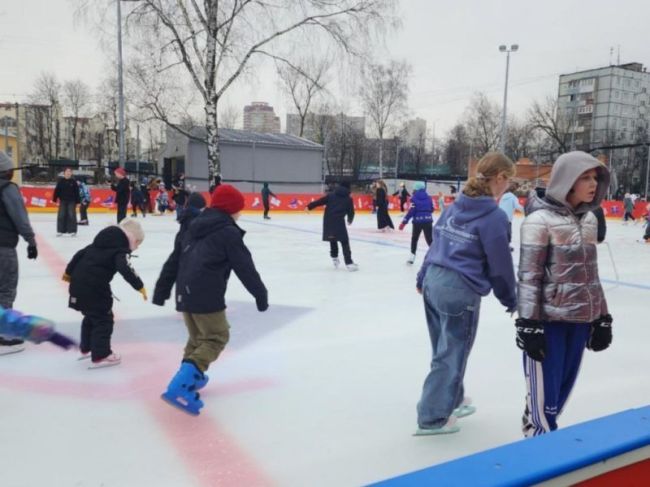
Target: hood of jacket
{"type": "Point", "coordinates": [211, 220]}
{"type": "Point", "coordinates": [470, 209]}
{"type": "Point", "coordinates": [420, 195]}
{"type": "Point", "coordinates": [566, 171]}
{"type": "Point", "coordinates": [112, 237]}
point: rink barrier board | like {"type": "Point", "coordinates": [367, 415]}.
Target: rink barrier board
{"type": "Point", "coordinates": [612, 450]}
{"type": "Point", "coordinates": [39, 199]}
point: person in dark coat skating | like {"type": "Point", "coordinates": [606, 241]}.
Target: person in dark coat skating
{"type": "Point", "coordinates": [421, 212]}
{"type": "Point", "coordinates": [137, 200]}
{"type": "Point", "coordinates": [212, 248]}
{"type": "Point", "coordinates": [90, 273]}
{"type": "Point", "coordinates": [122, 193]}
{"type": "Point", "coordinates": [67, 193]}
{"type": "Point", "coordinates": [338, 206]}
{"type": "Point", "coordinates": [381, 196]}
{"type": "Point", "coordinates": [403, 196]}
{"type": "Point", "coordinates": [266, 194]}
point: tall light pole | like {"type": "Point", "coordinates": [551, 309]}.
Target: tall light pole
{"type": "Point", "coordinates": [504, 48]}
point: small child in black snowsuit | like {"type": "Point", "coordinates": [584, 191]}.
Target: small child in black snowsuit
{"type": "Point", "coordinates": [89, 273]}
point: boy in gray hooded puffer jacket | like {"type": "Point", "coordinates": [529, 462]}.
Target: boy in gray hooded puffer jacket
{"type": "Point", "coordinates": [561, 304]}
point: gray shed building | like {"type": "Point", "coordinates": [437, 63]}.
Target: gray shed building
{"type": "Point", "coordinates": [288, 163]}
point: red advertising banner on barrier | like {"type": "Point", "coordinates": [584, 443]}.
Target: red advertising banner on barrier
{"type": "Point", "coordinates": [40, 198]}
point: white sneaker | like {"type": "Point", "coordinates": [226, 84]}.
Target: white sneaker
{"type": "Point", "coordinates": [336, 262]}
{"type": "Point", "coordinates": [352, 267]}
{"type": "Point", "coordinates": [447, 428]}
{"type": "Point", "coordinates": [411, 259]}
{"type": "Point", "coordinates": [112, 359]}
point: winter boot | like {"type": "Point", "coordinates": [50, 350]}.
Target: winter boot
{"type": "Point", "coordinates": [411, 259]}
{"type": "Point", "coordinates": [181, 391]}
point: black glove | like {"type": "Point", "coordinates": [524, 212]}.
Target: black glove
{"type": "Point", "coordinates": [262, 304]}
{"type": "Point", "coordinates": [530, 338]}
{"type": "Point", "coordinates": [32, 252]}
{"type": "Point", "coordinates": [601, 334]}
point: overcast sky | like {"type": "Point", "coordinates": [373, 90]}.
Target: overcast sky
{"type": "Point", "coordinates": [452, 46]}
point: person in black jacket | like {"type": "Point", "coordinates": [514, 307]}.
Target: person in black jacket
{"type": "Point", "coordinates": [122, 193]}
{"type": "Point", "coordinates": [14, 222]}
{"type": "Point", "coordinates": [403, 196]}
{"type": "Point", "coordinates": [338, 205]}
{"type": "Point", "coordinates": [137, 200]}
{"type": "Point", "coordinates": [384, 222]}
{"type": "Point", "coordinates": [180, 195]}
{"type": "Point", "coordinates": [167, 278]}
{"type": "Point", "coordinates": [89, 273]}
{"type": "Point", "coordinates": [67, 191]}
{"type": "Point", "coordinates": [212, 247]}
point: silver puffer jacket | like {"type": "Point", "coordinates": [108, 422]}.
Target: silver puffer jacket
{"type": "Point", "coordinates": [558, 269]}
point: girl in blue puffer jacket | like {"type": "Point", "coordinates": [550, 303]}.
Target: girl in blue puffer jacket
{"type": "Point", "coordinates": [421, 211]}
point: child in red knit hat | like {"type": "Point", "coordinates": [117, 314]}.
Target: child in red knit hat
{"type": "Point", "coordinates": [212, 247]}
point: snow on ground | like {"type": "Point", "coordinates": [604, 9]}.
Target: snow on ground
{"type": "Point", "coordinates": [320, 390]}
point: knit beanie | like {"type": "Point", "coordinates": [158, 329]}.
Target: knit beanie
{"type": "Point", "coordinates": [133, 231]}
{"type": "Point", "coordinates": [120, 172]}
{"type": "Point", "coordinates": [228, 199]}
{"type": "Point", "coordinates": [6, 164]}
{"type": "Point", "coordinates": [196, 200]}
{"type": "Point", "coordinates": [418, 185]}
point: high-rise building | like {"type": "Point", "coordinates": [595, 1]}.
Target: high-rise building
{"type": "Point", "coordinates": [604, 106]}
{"type": "Point", "coordinates": [260, 117]}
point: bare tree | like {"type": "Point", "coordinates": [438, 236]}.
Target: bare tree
{"type": "Point", "coordinates": [76, 99]}
{"type": "Point", "coordinates": [544, 116]}
{"type": "Point", "coordinates": [483, 122]}
{"type": "Point", "coordinates": [229, 116]}
{"type": "Point", "coordinates": [302, 82]}
{"type": "Point", "coordinates": [520, 139]}
{"type": "Point", "coordinates": [384, 94]}
{"type": "Point", "coordinates": [457, 149]}
{"type": "Point", "coordinates": [47, 91]}
{"type": "Point", "coordinates": [215, 41]}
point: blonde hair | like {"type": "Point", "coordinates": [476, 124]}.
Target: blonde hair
{"type": "Point", "coordinates": [490, 166]}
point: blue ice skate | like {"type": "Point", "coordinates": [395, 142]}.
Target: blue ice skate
{"type": "Point", "coordinates": [181, 391]}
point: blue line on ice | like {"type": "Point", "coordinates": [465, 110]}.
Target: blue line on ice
{"type": "Point", "coordinates": [398, 246]}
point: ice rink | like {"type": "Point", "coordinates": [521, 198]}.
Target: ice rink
{"type": "Point", "coordinates": [320, 390]}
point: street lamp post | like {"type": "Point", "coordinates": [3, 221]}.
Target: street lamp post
{"type": "Point", "coordinates": [504, 48]}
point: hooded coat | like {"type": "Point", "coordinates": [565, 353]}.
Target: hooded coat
{"type": "Point", "coordinates": [421, 208]}
{"type": "Point", "coordinates": [211, 248]}
{"type": "Point", "coordinates": [471, 238]}
{"type": "Point", "coordinates": [92, 269]}
{"type": "Point", "coordinates": [338, 205]}
{"type": "Point", "coordinates": [558, 265]}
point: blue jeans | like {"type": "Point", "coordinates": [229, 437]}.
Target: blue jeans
{"type": "Point", "coordinates": [452, 311]}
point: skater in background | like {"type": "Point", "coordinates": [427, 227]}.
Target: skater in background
{"type": "Point", "coordinates": [84, 202]}
{"type": "Point", "coordinates": [562, 307]}
{"type": "Point", "coordinates": [403, 196]}
{"type": "Point", "coordinates": [338, 205]}
{"type": "Point", "coordinates": [66, 192]}
{"type": "Point", "coordinates": [153, 187]}
{"type": "Point", "coordinates": [266, 194]}
{"type": "Point", "coordinates": [628, 208]}
{"type": "Point", "coordinates": [212, 247]}
{"type": "Point", "coordinates": [89, 273]}
{"type": "Point", "coordinates": [421, 212]}
{"type": "Point", "coordinates": [179, 196]}
{"type": "Point", "coordinates": [14, 222]}
{"type": "Point", "coordinates": [146, 196]}
{"type": "Point", "coordinates": [384, 221]}
{"type": "Point", "coordinates": [162, 200]}
{"type": "Point", "coordinates": [646, 235]}
{"type": "Point", "coordinates": [469, 257]}
{"type": "Point", "coordinates": [509, 203]}
{"type": "Point", "coordinates": [441, 202]}
{"type": "Point", "coordinates": [32, 328]}
{"type": "Point", "coordinates": [167, 278]}
{"type": "Point", "coordinates": [122, 193]}
{"type": "Point", "coordinates": [137, 200]}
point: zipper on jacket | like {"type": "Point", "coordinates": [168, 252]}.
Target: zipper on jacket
{"type": "Point", "coordinates": [584, 261]}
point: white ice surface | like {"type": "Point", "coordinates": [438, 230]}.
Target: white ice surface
{"type": "Point", "coordinates": [320, 390]}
